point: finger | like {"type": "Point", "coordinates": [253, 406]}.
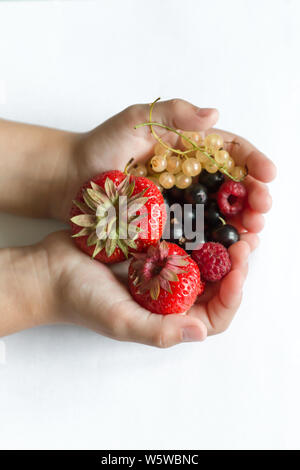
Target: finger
{"type": "Point", "coordinates": [137, 324]}
{"type": "Point", "coordinates": [121, 318]}
{"type": "Point", "coordinates": [237, 223]}
{"type": "Point", "coordinates": [181, 114]}
{"type": "Point", "coordinates": [119, 132]}
{"type": "Point", "coordinates": [244, 153]}
{"type": "Point", "coordinates": [258, 195]}
{"type": "Point", "coordinates": [222, 307]}
{"type": "Point", "coordinates": [260, 167]}
{"type": "Point", "coordinates": [252, 221]}
{"type": "Point", "coordinates": [175, 113]}
{"type": "Point", "coordinates": [220, 310]}
{"type": "Point", "coordinates": [239, 254]}
{"type": "Point", "coordinates": [230, 296]}
{"type": "Point", "coordinates": [251, 238]}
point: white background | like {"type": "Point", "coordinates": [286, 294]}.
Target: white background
{"type": "Point", "coordinates": [71, 65]}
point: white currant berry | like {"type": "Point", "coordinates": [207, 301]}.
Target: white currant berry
{"type": "Point", "coordinates": [213, 142]}
{"type": "Point", "coordinates": [167, 180]}
{"type": "Point", "coordinates": [230, 164]}
{"type": "Point", "coordinates": [183, 181]}
{"type": "Point", "coordinates": [173, 165]}
{"type": "Point", "coordinates": [191, 167]}
{"type": "Point", "coordinates": [194, 136]}
{"type": "Point", "coordinates": [238, 172]}
{"type": "Point", "coordinates": [158, 163]}
{"type": "Point", "coordinates": [211, 167]}
{"type": "Point", "coordinates": [201, 156]}
{"type": "Point", "coordinates": [221, 156]}
{"type": "Point", "coordinates": [161, 150]}
{"type": "Point", "coordinates": [138, 170]}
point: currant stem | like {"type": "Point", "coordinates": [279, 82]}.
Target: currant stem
{"type": "Point", "coordinates": [195, 147]}
{"type": "Point", "coordinates": [180, 152]}
{"type": "Point", "coordinates": [128, 165]}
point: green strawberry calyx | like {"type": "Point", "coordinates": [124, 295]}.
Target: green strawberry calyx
{"type": "Point", "coordinates": [108, 216]}
{"type": "Point", "coordinates": [155, 269]}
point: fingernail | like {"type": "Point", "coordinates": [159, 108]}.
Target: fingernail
{"type": "Point", "coordinates": [204, 112]}
{"type": "Point", "coordinates": [191, 333]}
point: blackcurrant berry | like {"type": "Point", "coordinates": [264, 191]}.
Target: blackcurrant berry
{"type": "Point", "coordinates": [189, 212]}
{"type": "Point", "coordinates": [207, 235]}
{"type": "Point", "coordinates": [176, 232]}
{"type": "Point", "coordinates": [195, 194]}
{"type": "Point", "coordinates": [226, 234]}
{"type": "Point", "coordinates": [189, 219]}
{"type": "Point", "coordinates": [212, 213]}
{"type": "Point", "coordinates": [175, 195]}
{"type": "Point", "coordinates": [168, 201]}
{"type": "Point", "coordinates": [212, 181]}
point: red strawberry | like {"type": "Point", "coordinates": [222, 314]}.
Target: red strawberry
{"type": "Point", "coordinates": [107, 226]}
{"type": "Point", "coordinates": [165, 279]}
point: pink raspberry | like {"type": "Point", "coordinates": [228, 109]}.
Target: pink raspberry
{"type": "Point", "coordinates": [231, 197]}
{"type": "Point", "coordinates": [213, 261]}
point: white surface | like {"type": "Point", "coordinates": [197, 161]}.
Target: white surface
{"type": "Point", "coordinates": [71, 65]}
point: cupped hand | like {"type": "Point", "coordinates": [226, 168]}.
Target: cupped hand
{"type": "Point", "coordinates": [92, 294]}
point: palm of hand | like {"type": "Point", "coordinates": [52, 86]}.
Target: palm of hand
{"type": "Point", "coordinates": [96, 295]}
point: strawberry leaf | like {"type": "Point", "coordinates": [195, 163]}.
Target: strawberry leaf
{"type": "Point", "coordinates": [83, 232]}
{"type": "Point", "coordinates": [84, 220]}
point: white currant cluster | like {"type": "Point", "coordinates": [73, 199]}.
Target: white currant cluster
{"type": "Point", "coordinates": [167, 168]}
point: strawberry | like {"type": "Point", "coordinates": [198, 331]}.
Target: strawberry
{"type": "Point", "coordinates": [109, 227]}
{"type": "Point", "coordinates": [165, 279]}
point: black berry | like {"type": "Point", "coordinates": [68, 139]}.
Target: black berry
{"type": "Point", "coordinates": [226, 234]}
{"type": "Point", "coordinates": [168, 201]}
{"type": "Point", "coordinates": [176, 232]}
{"type": "Point", "coordinates": [174, 195]}
{"type": "Point", "coordinates": [195, 194]}
{"type": "Point", "coordinates": [212, 213]}
{"type": "Point", "coordinates": [212, 181]}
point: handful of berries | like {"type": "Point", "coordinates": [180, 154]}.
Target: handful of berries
{"type": "Point", "coordinates": [118, 215]}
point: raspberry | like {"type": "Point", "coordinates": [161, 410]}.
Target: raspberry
{"type": "Point", "coordinates": [231, 197]}
{"type": "Point", "coordinates": [213, 261]}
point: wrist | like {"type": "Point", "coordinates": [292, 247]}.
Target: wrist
{"type": "Point", "coordinates": [78, 162]}
{"type": "Point", "coordinates": [27, 296]}
{"type": "Point", "coordinates": [65, 176]}
{"type": "Point", "coordinates": [34, 165]}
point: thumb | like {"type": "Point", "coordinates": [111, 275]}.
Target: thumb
{"type": "Point", "coordinates": [176, 113]}
{"type": "Point", "coordinates": [181, 114]}
{"type": "Point", "coordinates": [119, 133]}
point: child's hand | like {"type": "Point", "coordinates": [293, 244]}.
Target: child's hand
{"type": "Point", "coordinates": [112, 144]}
{"type": "Point", "coordinates": [82, 291]}
{"type": "Point", "coordinates": [90, 294]}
